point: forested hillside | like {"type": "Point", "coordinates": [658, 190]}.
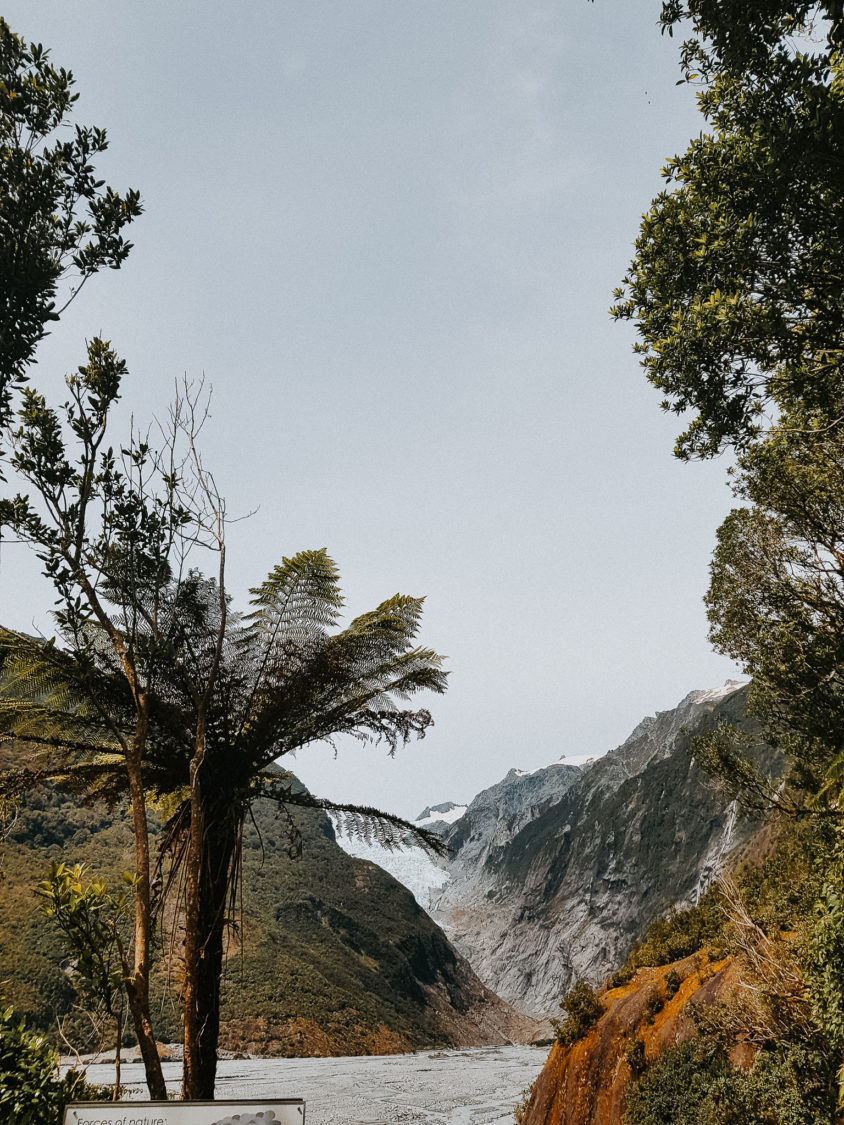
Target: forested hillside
{"type": "Point", "coordinates": [334, 956]}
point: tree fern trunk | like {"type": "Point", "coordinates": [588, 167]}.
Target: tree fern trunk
{"type": "Point", "coordinates": [204, 966]}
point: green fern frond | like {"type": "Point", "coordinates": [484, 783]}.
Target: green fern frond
{"type": "Point", "coordinates": [299, 599]}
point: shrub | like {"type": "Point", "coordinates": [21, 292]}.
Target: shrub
{"type": "Point", "coordinates": [673, 980]}
{"type": "Point", "coordinates": [653, 1003]}
{"type": "Point", "coordinates": [634, 1054]}
{"type": "Point", "coordinates": [683, 932]}
{"type": "Point", "coordinates": [31, 1090]}
{"type": "Point", "coordinates": [694, 1084]}
{"type": "Point", "coordinates": [621, 976]}
{"type": "Point", "coordinates": [583, 1010]}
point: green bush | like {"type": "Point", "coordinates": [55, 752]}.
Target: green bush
{"type": "Point", "coordinates": [583, 1010]}
{"type": "Point", "coordinates": [673, 980]}
{"type": "Point", "coordinates": [683, 932]}
{"type": "Point", "coordinates": [653, 1003]}
{"type": "Point", "coordinates": [634, 1053]}
{"type": "Point", "coordinates": [31, 1090]}
{"type": "Point", "coordinates": [621, 976]}
{"type": "Point", "coordinates": [692, 1084]}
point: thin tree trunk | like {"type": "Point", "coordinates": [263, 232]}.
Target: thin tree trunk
{"type": "Point", "coordinates": [137, 987]}
{"type": "Point", "coordinates": [193, 943]}
{"type": "Point", "coordinates": [118, 1044]}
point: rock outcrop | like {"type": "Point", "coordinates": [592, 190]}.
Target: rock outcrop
{"type": "Point", "coordinates": [584, 1084]}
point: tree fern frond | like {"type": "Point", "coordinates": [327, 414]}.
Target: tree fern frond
{"type": "Point", "coordinates": [35, 669]}
{"type": "Point", "coordinates": [300, 598]}
{"type": "Point", "coordinates": [361, 821]}
{"type": "Point", "coordinates": [90, 777]}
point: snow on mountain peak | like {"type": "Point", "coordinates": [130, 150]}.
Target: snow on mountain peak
{"type": "Point", "coordinates": [446, 813]}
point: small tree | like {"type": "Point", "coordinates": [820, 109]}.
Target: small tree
{"type": "Point", "coordinates": [58, 223]}
{"type": "Point", "coordinates": [583, 1010]}
{"type": "Point", "coordinates": [90, 919]}
{"type": "Point", "coordinates": [160, 688]}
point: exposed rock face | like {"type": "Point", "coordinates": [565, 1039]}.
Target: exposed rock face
{"type": "Point", "coordinates": [499, 813]}
{"type": "Point", "coordinates": [584, 1084]}
{"type": "Point", "coordinates": [556, 874]}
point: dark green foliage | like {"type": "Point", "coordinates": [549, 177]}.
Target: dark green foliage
{"type": "Point", "coordinates": [57, 220]}
{"type": "Point", "coordinates": [825, 955]}
{"type": "Point", "coordinates": [634, 1055]}
{"type": "Point", "coordinates": [31, 1091]}
{"type": "Point", "coordinates": [735, 286]}
{"type": "Point", "coordinates": [653, 1003]}
{"type": "Point", "coordinates": [673, 980]}
{"type": "Point", "coordinates": [583, 1010]}
{"type": "Point", "coordinates": [694, 1084]}
{"type": "Point", "coordinates": [681, 933]}
{"type": "Point", "coordinates": [622, 976]}
{"type": "Point", "coordinates": [780, 892]}
{"type": "Point", "coordinates": [776, 600]}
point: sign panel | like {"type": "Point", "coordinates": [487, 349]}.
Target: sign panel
{"type": "Point", "coordinates": [281, 1111]}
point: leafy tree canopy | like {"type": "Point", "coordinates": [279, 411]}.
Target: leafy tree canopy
{"type": "Point", "coordinates": [736, 285]}
{"type": "Point", "coordinates": [776, 597]}
{"type": "Point", "coordinates": [58, 222]}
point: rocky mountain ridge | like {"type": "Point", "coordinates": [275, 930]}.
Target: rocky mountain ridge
{"type": "Point", "coordinates": [537, 901]}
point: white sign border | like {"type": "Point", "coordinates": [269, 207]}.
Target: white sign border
{"type": "Point", "coordinates": [241, 1103]}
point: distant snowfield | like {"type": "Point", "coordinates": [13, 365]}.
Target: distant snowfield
{"type": "Point", "coordinates": [477, 1087]}
{"type": "Point", "coordinates": [448, 816]}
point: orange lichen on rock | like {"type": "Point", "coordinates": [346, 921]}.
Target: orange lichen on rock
{"type": "Point", "coordinates": [584, 1084]}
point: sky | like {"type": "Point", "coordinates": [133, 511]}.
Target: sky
{"type": "Point", "coordinates": [387, 232]}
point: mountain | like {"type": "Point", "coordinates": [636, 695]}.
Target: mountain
{"type": "Point", "coordinates": [499, 813]}
{"type": "Point", "coordinates": [336, 956]}
{"type": "Point", "coordinates": [549, 886]}
{"type": "Point", "coordinates": [493, 817]}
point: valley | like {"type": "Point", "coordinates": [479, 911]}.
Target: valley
{"type": "Point", "coordinates": [554, 874]}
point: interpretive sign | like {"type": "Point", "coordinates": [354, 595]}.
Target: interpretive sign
{"type": "Point", "coordinates": [283, 1111]}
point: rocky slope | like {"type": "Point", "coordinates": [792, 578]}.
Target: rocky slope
{"type": "Point", "coordinates": [548, 887]}
{"type": "Point", "coordinates": [336, 956]}
{"type": "Point", "coordinates": [584, 1084]}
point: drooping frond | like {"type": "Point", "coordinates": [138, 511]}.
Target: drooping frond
{"type": "Point", "coordinates": [360, 821]}
{"type": "Point", "coordinates": [101, 777]}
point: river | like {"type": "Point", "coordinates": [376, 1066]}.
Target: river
{"type": "Point", "coordinates": [474, 1087]}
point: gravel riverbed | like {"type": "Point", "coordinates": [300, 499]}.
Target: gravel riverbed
{"type": "Point", "coordinates": [475, 1087]}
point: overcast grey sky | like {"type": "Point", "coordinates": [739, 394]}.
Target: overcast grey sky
{"type": "Point", "coordinates": [387, 233]}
